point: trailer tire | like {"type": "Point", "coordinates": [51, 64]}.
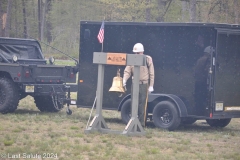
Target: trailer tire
{"type": "Point", "coordinates": [218, 122]}
{"type": "Point", "coordinates": [9, 95]}
{"type": "Point", "coordinates": [45, 104]}
{"type": "Point", "coordinates": [126, 111]}
{"type": "Point", "coordinates": [165, 115]}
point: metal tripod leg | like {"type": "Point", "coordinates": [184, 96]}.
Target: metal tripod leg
{"type": "Point", "coordinates": [98, 123]}
{"type": "Point", "coordinates": [134, 126]}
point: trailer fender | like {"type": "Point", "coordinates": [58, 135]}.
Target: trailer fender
{"type": "Point", "coordinates": [159, 97]}
{"type": "Point", "coordinates": [177, 101]}
{"type": "Point", "coordinates": [123, 100]}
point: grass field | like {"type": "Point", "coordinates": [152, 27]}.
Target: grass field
{"type": "Point", "coordinates": [30, 134]}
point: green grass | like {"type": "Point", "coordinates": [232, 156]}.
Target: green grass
{"type": "Point", "coordinates": [65, 62]}
{"type": "Point", "coordinates": [29, 131]}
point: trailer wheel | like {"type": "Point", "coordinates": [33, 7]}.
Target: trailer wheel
{"type": "Point", "coordinates": [165, 115]}
{"type": "Point", "coordinates": [218, 122]}
{"type": "Point", "coordinates": [9, 95]}
{"type": "Point", "coordinates": [45, 104]}
{"type": "Point", "coordinates": [126, 111]}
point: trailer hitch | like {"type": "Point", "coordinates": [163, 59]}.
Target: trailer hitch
{"type": "Point", "coordinates": [68, 100]}
{"type": "Point", "coordinates": [60, 101]}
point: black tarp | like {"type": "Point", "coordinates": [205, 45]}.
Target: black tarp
{"type": "Point", "coordinates": [22, 48]}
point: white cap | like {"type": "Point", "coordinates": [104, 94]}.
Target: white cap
{"type": "Point", "coordinates": [209, 49]}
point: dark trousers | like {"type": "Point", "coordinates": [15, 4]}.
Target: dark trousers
{"type": "Point", "coordinates": [201, 97]}
{"type": "Point", "coordinates": [142, 103]}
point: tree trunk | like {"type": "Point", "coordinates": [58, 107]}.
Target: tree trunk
{"type": "Point", "coordinates": [43, 19]}
{"type": "Point", "coordinates": [226, 11]}
{"type": "Point", "coordinates": [39, 19]}
{"type": "Point", "coordinates": [184, 9]}
{"type": "Point", "coordinates": [236, 12]}
{"type": "Point", "coordinates": [24, 20]}
{"type": "Point", "coordinates": [193, 10]}
{"type": "Point", "coordinates": [48, 23]}
{"type": "Point", "coordinates": [161, 6]}
{"type": "Point", "coordinates": [9, 8]}
{"type": "Point", "coordinates": [1, 19]}
{"type": "Point", "coordinates": [148, 10]}
{"type": "Point", "coordinates": [15, 19]}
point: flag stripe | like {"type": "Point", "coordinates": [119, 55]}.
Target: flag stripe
{"type": "Point", "coordinates": [101, 33]}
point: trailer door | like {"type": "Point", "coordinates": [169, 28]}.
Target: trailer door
{"type": "Point", "coordinates": [227, 74]}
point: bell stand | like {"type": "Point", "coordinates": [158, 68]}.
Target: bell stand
{"type": "Point", "coordinates": [98, 123]}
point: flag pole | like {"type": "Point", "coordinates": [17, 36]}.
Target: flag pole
{"type": "Point", "coordinates": [104, 33]}
{"type": "Point", "coordinates": [100, 35]}
{"type": "Point", "coordinates": [102, 47]}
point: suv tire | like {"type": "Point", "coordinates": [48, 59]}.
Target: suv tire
{"type": "Point", "coordinates": [9, 95]}
{"type": "Point", "coordinates": [45, 104]}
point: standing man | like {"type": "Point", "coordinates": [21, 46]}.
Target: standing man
{"type": "Point", "coordinates": [201, 78]}
{"type": "Point", "coordinates": [145, 84]}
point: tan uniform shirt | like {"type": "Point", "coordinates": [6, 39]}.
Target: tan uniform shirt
{"type": "Point", "coordinates": [146, 72]}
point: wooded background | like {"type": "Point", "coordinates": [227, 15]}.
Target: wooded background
{"type": "Point", "coordinates": [56, 22]}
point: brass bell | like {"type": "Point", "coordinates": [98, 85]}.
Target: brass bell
{"type": "Point", "coordinates": [117, 84]}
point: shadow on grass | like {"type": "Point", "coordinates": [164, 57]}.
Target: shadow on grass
{"type": "Point", "coordinates": [114, 120]}
{"type": "Point", "coordinates": [24, 111]}
{"type": "Point", "coordinates": [29, 111]}
{"type": "Point", "coordinates": [204, 127]}
{"type": "Point", "coordinates": [199, 127]}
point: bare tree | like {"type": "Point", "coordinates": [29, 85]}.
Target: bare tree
{"type": "Point", "coordinates": [193, 11]}
{"type": "Point", "coordinates": [236, 12]}
{"type": "Point", "coordinates": [148, 10]}
{"type": "Point", "coordinates": [163, 5]}
{"type": "Point", "coordinates": [44, 4]}
{"type": "Point", "coordinates": [48, 23]}
{"type": "Point", "coordinates": [1, 19]}
{"type": "Point", "coordinates": [15, 19]}
{"type": "Point", "coordinates": [24, 20]}
{"type": "Point", "coordinates": [226, 10]}
{"type": "Point", "coordinates": [9, 8]}
{"type": "Point", "coordinates": [39, 19]}
{"type": "Point", "coordinates": [184, 9]}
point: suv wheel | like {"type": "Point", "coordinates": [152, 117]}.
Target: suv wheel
{"type": "Point", "coordinates": [9, 95]}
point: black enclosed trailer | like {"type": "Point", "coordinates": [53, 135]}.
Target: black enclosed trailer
{"type": "Point", "coordinates": [188, 85]}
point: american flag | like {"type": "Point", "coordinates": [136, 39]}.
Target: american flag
{"type": "Point", "coordinates": [101, 33]}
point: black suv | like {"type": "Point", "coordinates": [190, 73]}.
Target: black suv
{"type": "Point", "coordinates": [24, 71]}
